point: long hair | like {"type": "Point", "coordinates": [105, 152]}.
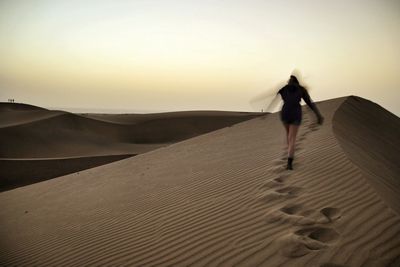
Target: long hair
{"type": "Point", "coordinates": [294, 80]}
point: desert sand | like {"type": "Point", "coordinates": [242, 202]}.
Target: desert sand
{"type": "Point", "coordinates": [223, 199]}
{"type": "Point", "coordinates": [39, 144]}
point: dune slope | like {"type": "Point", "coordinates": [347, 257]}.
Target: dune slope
{"type": "Point", "coordinates": [32, 132]}
{"type": "Point", "coordinates": [20, 172]}
{"type": "Point", "coordinates": [44, 144]}
{"type": "Point", "coordinates": [373, 145]}
{"type": "Point", "coordinates": [219, 199]}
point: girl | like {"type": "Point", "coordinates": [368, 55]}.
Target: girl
{"type": "Point", "coordinates": [291, 114]}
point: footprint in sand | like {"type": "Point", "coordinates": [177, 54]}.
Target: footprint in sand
{"type": "Point", "coordinates": [332, 214]}
{"type": "Point", "coordinates": [323, 216]}
{"type": "Point", "coordinates": [281, 179]}
{"type": "Point", "coordinates": [306, 240]}
{"type": "Point", "coordinates": [289, 214]}
{"type": "Point", "coordinates": [312, 236]}
{"type": "Point", "coordinates": [296, 214]}
{"type": "Point", "coordinates": [291, 191]}
{"type": "Point", "coordinates": [269, 184]}
{"type": "Point", "coordinates": [292, 209]}
{"type": "Point", "coordinates": [321, 234]}
{"type": "Point", "coordinates": [280, 193]}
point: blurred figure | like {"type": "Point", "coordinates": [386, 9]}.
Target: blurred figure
{"type": "Point", "coordinates": [291, 114]}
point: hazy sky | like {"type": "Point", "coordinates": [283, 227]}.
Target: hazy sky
{"type": "Point", "coordinates": [183, 55]}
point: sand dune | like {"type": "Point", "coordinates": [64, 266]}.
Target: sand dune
{"type": "Point", "coordinates": [43, 133]}
{"type": "Point", "coordinates": [30, 133]}
{"type": "Point", "coordinates": [22, 172]}
{"type": "Point", "coordinates": [7, 106]}
{"type": "Point", "coordinates": [210, 116]}
{"type": "Point", "coordinates": [375, 140]}
{"type": "Point", "coordinates": [219, 199]}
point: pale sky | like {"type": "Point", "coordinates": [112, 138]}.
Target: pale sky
{"type": "Point", "coordinates": [169, 55]}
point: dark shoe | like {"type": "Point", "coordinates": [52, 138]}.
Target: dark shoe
{"type": "Point", "coordinates": [289, 164]}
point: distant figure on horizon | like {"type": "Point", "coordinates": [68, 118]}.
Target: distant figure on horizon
{"type": "Point", "coordinates": [291, 114]}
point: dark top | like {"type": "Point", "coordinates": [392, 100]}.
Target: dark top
{"type": "Point", "coordinates": [291, 110]}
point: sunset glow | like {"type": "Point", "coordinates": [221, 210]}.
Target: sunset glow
{"type": "Point", "coordinates": [182, 55]}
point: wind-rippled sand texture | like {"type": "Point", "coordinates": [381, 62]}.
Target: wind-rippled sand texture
{"type": "Point", "coordinates": [219, 199]}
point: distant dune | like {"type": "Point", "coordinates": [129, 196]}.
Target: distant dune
{"type": "Point", "coordinates": [29, 134]}
{"type": "Point", "coordinates": [224, 199]}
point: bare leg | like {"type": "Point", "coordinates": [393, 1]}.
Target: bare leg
{"type": "Point", "coordinates": [287, 133]}
{"type": "Point", "coordinates": [293, 129]}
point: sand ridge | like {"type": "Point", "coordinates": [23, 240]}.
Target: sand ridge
{"type": "Point", "coordinates": [74, 142]}
{"type": "Point", "coordinates": [219, 199]}
{"type": "Point", "coordinates": [380, 130]}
